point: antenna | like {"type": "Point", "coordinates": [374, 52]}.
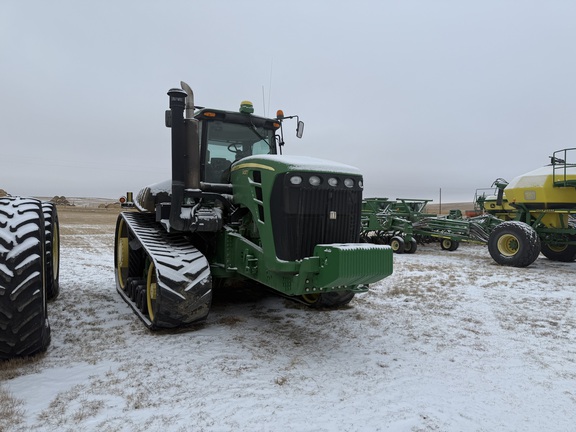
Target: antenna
{"type": "Point", "coordinates": [264, 102]}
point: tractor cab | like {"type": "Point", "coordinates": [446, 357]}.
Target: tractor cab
{"type": "Point", "coordinates": [227, 137]}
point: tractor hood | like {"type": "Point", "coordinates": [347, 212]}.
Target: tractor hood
{"type": "Point", "coordinates": [288, 163]}
{"type": "Point", "coordinates": [148, 197]}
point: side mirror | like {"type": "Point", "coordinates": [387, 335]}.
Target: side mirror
{"type": "Point", "coordinates": [300, 129]}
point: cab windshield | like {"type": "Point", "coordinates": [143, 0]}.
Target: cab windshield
{"type": "Point", "coordinates": [229, 142]}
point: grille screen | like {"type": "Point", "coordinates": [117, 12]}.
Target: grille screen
{"type": "Point", "coordinates": [304, 215]}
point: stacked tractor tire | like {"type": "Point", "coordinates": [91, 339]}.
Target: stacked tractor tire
{"type": "Point", "coordinates": [29, 270]}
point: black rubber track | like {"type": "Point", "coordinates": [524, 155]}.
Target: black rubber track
{"type": "Point", "coordinates": [183, 273]}
{"type": "Point", "coordinates": [24, 327]}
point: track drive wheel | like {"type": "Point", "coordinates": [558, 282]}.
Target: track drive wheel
{"type": "Point", "coordinates": [411, 246]}
{"type": "Point", "coordinates": [563, 253]}
{"type": "Point", "coordinates": [24, 326]}
{"type": "Point", "coordinates": [449, 244]}
{"type": "Point", "coordinates": [52, 250]}
{"type": "Point", "coordinates": [397, 244]}
{"type": "Point", "coordinates": [328, 300]}
{"type": "Point", "coordinates": [514, 244]}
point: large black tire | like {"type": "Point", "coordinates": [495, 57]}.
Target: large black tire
{"type": "Point", "coordinates": [52, 233]}
{"type": "Point", "coordinates": [514, 244]}
{"type": "Point", "coordinates": [411, 246]}
{"type": "Point", "coordinates": [328, 300]}
{"type": "Point", "coordinates": [24, 327]}
{"type": "Point", "coordinates": [563, 253]}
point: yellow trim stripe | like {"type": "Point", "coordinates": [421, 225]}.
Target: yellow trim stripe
{"type": "Point", "coordinates": [252, 165]}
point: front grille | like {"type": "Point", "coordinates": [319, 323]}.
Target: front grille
{"type": "Point", "coordinates": [304, 215]}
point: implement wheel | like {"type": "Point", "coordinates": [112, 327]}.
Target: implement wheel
{"type": "Point", "coordinates": [328, 300]}
{"type": "Point", "coordinates": [397, 244]}
{"type": "Point", "coordinates": [514, 244]}
{"type": "Point", "coordinates": [449, 245]}
{"type": "Point", "coordinates": [563, 253]}
{"type": "Point", "coordinates": [411, 246]}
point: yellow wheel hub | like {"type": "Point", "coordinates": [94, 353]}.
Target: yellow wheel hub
{"type": "Point", "coordinates": [122, 254]}
{"type": "Point", "coordinates": [557, 248]}
{"type": "Point", "coordinates": [508, 245]}
{"type": "Point", "coordinates": [310, 298]}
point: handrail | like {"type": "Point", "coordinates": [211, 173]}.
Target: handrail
{"type": "Point", "coordinates": [560, 164]}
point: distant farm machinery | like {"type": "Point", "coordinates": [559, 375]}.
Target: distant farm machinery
{"type": "Point", "coordinates": [404, 223]}
{"type": "Point", "coordinates": [535, 212]}
{"type": "Point", "coordinates": [381, 224]}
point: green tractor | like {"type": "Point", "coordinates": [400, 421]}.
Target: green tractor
{"type": "Point", "coordinates": [238, 210]}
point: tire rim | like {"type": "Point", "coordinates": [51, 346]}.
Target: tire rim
{"type": "Point", "coordinates": [508, 245]}
{"type": "Point", "coordinates": [446, 243]}
{"type": "Point", "coordinates": [122, 254]}
{"type": "Point", "coordinates": [557, 248]}
{"type": "Point", "coordinates": [395, 245]}
{"type": "Point", "coordinates": [310, 298]}
{"type": "Point", "coordinates": [151, 290]}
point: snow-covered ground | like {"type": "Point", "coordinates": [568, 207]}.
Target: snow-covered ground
{"type": "Point", "coordinates": [450, 342]}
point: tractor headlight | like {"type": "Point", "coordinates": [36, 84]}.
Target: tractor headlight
{"type": "Point", "coordinates": [348, 182]}
{"type": "Point", "coordinates": [315, 180]}
{"type": "Point", "coordinates": [295, 180]}
{"type": "Point", "coordinates": [360, 184]}
{"type": "Point", "coordinates": [333, 181]}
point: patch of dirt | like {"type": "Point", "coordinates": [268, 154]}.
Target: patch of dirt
{"type": "Point", "coordinates": [71, 217]}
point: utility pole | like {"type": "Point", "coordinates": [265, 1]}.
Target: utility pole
{"type": "Point", "coordinates": [440, 204]}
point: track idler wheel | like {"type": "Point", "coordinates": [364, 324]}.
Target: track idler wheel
{"type": "Point", "coordinates": [141, 302]}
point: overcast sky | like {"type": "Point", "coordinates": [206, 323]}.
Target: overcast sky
{"type": "Point", "coordinates": [419, 95]}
